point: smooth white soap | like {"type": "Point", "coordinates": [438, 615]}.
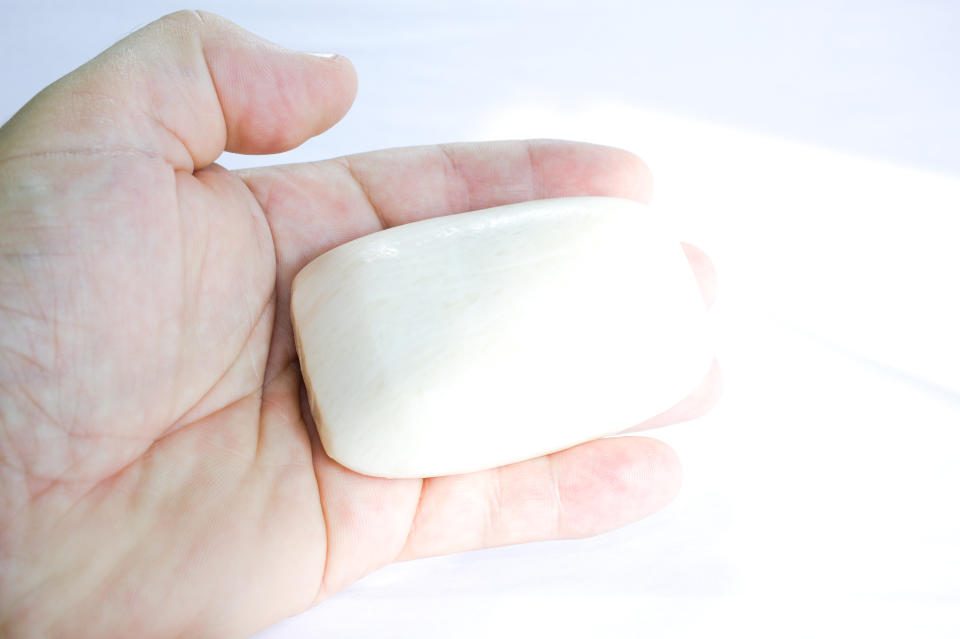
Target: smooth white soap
{"type": "Point", "coordinates": [470, 341]}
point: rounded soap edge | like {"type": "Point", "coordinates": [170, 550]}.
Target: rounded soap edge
{"type": "Point", "coordinates": [403, 229]}
{"type": "Point", "coordinates": [613, 431]}
{"type": "Point", "coordinates": [329, 258]}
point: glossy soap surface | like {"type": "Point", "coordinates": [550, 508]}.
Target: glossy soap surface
{"type": "Point", "coordinates": [470, 341]}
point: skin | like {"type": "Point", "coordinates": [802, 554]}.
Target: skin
{"type": "Point", "coordinates": [159, 475]}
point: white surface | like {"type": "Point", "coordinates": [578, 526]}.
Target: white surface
{"type": "Point", "coordinates": [472, 341]}
{"type": "Point", "coordinates": [820, 498]}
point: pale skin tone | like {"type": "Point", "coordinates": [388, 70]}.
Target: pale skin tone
{"type": "Point", "coordinates": [159, 475]}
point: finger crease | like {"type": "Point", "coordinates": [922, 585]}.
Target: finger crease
{"type": "Point", "coordinates": [495, 505]}
{"type": "Point", "coordinates": [453, 204]}
{"type": "Point", "coordinates": [413, 521]}
{"type": "Point", "coordinates": [536, 176]}
{"type": "Point", "coordinates": [557, 499]}
{"type": "Point", "coordinates": [348, 165]}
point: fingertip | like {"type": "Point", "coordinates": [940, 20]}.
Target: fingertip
{"type": "Point", "coordinates": [671, 471]}
{"type": "Point", "coordinates": [576, 168]}
{"type": "Point", "coordinates": [301, 95]}
{"type": "Point", "coordinates": [643, 177]}
{"type": "Point", "coordinates": [661, 472]}
{"type": "Point", "coordinates": [272, 98]}
{"type": "Point", "coordinates": [347, 82]}
{"type": "Point", "coordinates": [628, 173]}
{"type": "Point", "coordinates": [710, 391]}
{"type": "Point", "coordinates": [615, 481]}
{"type": "Point", "coordinates": [705, 272]}
{"type": "Point", "coordinates": [697, 404]}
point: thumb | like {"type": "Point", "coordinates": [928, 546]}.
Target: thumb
{"type": "Point", "coordinates": [186, 88]}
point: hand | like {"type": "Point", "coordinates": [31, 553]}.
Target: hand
{"type": "Point", "coordinates": [160, 476]}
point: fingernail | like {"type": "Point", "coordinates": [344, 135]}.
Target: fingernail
{"type": "Point", "coordinates": [326, 56]}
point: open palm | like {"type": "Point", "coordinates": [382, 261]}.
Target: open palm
{"type": "Point", "coordinates": [158, 474]}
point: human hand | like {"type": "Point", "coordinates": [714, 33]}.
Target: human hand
{"type": "Point", "coordinates": [160, 474]}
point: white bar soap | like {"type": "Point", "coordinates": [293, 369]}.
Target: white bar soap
{"type": "Point", "coordinates": [466, 342]}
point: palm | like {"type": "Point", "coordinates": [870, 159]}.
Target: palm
{"type": "Point", "coordinates": [161, 408]}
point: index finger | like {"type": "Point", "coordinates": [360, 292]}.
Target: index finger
{"type": "Point", "coordinates": [315, 206]}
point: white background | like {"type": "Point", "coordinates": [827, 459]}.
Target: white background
{"type": "Point", "coordinates": [813, 149]}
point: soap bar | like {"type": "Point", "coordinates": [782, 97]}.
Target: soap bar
{"type": "Point", "coordinates": [474, 340]}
